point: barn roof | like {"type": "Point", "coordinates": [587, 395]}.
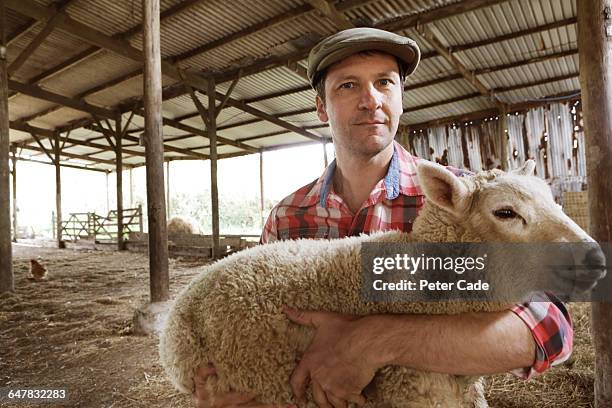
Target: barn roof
{"type": "Point", "coordinates": [76, 67]}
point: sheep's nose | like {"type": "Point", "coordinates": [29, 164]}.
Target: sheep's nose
{"type": "Point", "coordinates": [593, 265]}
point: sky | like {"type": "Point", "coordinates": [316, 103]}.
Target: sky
{"type": "Point", "coordinates": [86, 191]}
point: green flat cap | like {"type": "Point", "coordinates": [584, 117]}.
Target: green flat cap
{"type": "Point", "coordinates": [347, 42]}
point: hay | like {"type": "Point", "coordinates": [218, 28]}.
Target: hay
{"type": "Point", "coordinates": [569, 385]}
{"type": "Point", "coordinates": [75, 331]}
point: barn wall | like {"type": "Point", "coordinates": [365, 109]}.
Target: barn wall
{"type": "Point", "coordinates": [552, 135]}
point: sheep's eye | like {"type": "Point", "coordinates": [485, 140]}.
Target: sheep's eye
{"type": "Point", "coordinates": [505, 213]}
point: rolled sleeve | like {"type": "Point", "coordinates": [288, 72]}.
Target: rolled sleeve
{"type": "Point", "coordinates": [551, 326]}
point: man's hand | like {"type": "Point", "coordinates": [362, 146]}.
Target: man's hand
{"type": "Point", "coordinates": [335, 361]}
{"type": "Point", "coordinates": [203, 399]}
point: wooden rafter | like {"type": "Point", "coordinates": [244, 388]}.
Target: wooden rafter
{"type": "Point", "coordinates": [30, 24]}
{"type": "Point", "coordinates": [39, 93]}
{"type": "Point", "coordinates": [34, 44]}
{"type": "Point", "coordinates": [73, 166]}
{"type": "Point", "coordinates": [436, 43]}
{"type": "Point", "coordinates": [330, 11]}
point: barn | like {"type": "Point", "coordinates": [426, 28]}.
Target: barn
{"type": "Point", "coordinates": [110, 87]}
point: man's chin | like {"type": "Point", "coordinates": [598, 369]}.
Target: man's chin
{"type": "Point", "coordinates": [372, 145]}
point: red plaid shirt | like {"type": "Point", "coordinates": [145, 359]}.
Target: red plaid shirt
{"type": "Point", "coordinates": [316, 211]}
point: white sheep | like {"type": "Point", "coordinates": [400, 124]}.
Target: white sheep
{"type": "Point", "coordinates": [232, 314]}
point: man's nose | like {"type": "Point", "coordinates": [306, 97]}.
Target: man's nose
{"type": "Point", "coordinates": [371, 99]}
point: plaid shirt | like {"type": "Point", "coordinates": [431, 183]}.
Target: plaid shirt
{"type": "Point", "coordinates": [316, 211]}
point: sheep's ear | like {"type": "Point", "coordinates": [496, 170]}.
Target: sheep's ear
{"type": "Point", "coordinates": [442, 187]}
{"type": "Point", "coordinates": [526, 169]}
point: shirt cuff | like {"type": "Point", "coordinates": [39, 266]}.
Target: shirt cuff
{"type": "Point", "coordinates": [551, 327]}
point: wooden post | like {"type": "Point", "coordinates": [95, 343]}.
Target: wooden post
{"type": "Point", "coordinates": [168, 188]}
{"type": "Point", "coordinates": [6, 260]}
{"type": "Point", "coordinates": [58, 189]}
{"type": "Point", "coordinates": [261, 191]}
{"type": "Point", "coordinates": [595, 53]}
{"type": "Point", "coordinates": [119, 168]}
{"type": "Point", "coordinates": [14, 190]}
{"type": "Point", "coordinates": [156, 206]}
{"type": "Point", "coordinates": [214, 193]}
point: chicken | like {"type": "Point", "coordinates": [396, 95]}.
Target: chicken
{"type": "Point", "coordinates": [37, 271]}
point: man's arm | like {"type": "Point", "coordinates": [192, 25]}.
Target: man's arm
{"type": "Point", "coordinates": [465, 344]}
{"type": "Point", "coordinates": [346, 352]}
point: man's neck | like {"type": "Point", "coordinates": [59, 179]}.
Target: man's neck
{"type": "Point", "coordinates": [356, 176]}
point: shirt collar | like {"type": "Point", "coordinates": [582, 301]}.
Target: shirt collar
{"type": "Point", "coordinates": [400, 179]}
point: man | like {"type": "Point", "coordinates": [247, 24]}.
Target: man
{"type": "Point", "coordinates": [371, 186]}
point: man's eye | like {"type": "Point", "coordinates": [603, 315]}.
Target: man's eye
{"type": "Point", "coordinates": [385, 82]}
{"type": "Point", "coordinates": [347, 85]}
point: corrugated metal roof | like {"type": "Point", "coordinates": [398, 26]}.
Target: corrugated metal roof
{"type": "Point", "coordinates": [206, 22]}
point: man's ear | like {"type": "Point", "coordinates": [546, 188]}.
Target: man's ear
{"type": "Point", "coordinates": [321, 112]}
{"type": "Point", "coordinates": [442, 187]}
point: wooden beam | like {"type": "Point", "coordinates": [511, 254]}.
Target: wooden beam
{"type": "Point", "coordinates": [272, 119]}
{"type": "Point", "coordinates": [211, 125]}
{"type": "Point", "coordinates": [72, 156]}
{"type": "Point", "coordinates": [119, 46]}
{"type": "Point", "coordinates": [395, 24]}
{"type": "Point", "coordinates": [58, 190]}
{"type": "Point", "coordinates": [442, 102]}
{"type": "Point", "coordinates": [6, 261]}
{"type": "Point", "coordinates": [86, 93]}
{"type": "Point", "coordinates": [39, 93]}
{"type": "Point", "coordinates": [156, 205]}
{"type": "Point", "coordinates": [34, 44]}
{"type": "Point", "coordinates": [227, 95]}
{"type": "Point", "coordinates": [177, 125]}
{"type": "Point", "coordinates": [29, 25]}
{"type": "Point", "coordinates": [438, 13]}
{"type": "Point", "coordinates": [535, 83]}
{"type": "Point", "coordinates": [43, 148]}
{"type": "Point", "coordinates": [72, 166]}
{"type": "Point", "coordinates": [488, 70]}
{"type": "Point", "coordinates": [119, 170]}
{"type": "Point", "coordinates": [329, 10]}
{"type": "Point", "coordinates": [435, 42]}
{"type": "Point", "coordinates": [513, 35]}
{"type": "Point", "coordinates": [595, 45]}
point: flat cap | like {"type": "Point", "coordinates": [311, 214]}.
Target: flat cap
{"type": "Point", "coordinates": [347, 42]}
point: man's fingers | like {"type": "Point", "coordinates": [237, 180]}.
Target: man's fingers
{"type": "Point", "coordinates": [232, 398]}
{"type": "Point", "coordinates": [319, 396]}
{"type": "Point", "coordinates": [336, 401]}
{"type": "Point", "coordinates": [202, 373]}
{"type": "Point", "coordinates": [299, 379]}
{"type": "Point", "coordinates": [357, 399]}
{"type": "Point", "coordinates": [302, 317]}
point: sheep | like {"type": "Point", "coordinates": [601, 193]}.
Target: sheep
{"type": "Point", "coordinates": [178, 225]}
{"type": "Point", "coordinates": [231, 315]}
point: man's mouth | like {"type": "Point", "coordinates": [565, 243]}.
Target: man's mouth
{"type": "Point", "coordinates": [370, 123]}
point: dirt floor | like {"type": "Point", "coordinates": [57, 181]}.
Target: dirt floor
{"type": "Point", "coordinates": [74, 331]}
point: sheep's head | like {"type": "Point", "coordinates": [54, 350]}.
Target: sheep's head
{"type": "Point", "coordinates": [498, 206]}
{"type": "Point", "coordinates": [513, 207]}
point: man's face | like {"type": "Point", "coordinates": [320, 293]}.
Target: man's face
{"type": "Point", "coordinates": [363, 102]}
